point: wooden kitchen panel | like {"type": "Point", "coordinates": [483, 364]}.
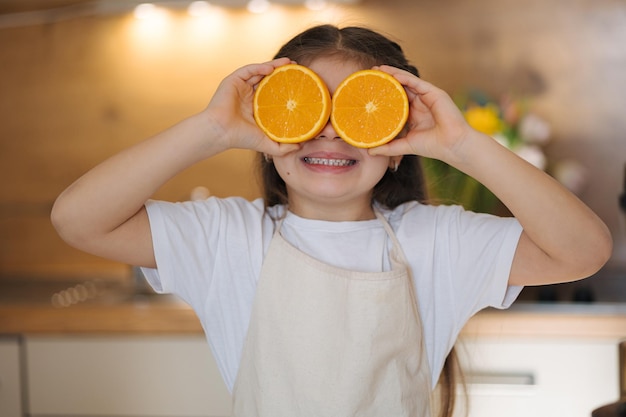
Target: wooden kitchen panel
{"type": "Point", "coordinates": [21, 6]}
{"type": "Point", "coordinates": [32, 249]}
{"type": "Point", "coordinates": [73, 94]}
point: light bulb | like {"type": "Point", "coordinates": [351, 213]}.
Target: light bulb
{"type": "Point", "coordinates": [315, 5]}
{"type": "Point", "coordinates": [199, 8]}
{"type": "Point", "coordinates": [258, 6]}
{"type": "Point", "coordinates": [145, 11]}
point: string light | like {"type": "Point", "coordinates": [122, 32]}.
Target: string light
{"type": "Point", "coordinates": [199, 9]}
{"type": "Point", "coordinates": [157, 11]}
{"type": "Point", "coordinates": [258, 6]}
{"type": "Point", "coordinates": [315, 5]}
{"type": "Point", "coordinates": [148, 11]}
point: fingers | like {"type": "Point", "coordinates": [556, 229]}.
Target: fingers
{"type": "Point", "coordinates": [415, 84]}
{"type": "Point", "coordinates": [417, 88]}
{"type": "Point", "coordinates": [273, 148]}
{"type": "Point", "coordinates": [253, 73]}
{"type": "Point", "coordinates": [400, 146]}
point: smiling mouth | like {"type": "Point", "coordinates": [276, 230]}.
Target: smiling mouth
{"type": "Point", "coordinates": [329, 162]}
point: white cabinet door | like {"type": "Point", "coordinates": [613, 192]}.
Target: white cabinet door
{"type": "Point", "coordinates": [10, 380]}
{"type": "Point", "coordinates": [124, 376]}
{"type": "Point", "coordinates": [538, 377]}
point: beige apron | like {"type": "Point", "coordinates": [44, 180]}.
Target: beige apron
{"type": "Point", "coordinates": [329, 342]}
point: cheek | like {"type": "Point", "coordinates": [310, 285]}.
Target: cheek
{"type": "Point", "coordinates": [283, 167]}
{"type": "Point", "coordinates": [381, 167]}
{"type": "Point", "coordinates": [379, 164]}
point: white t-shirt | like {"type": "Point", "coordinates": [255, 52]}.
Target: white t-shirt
{"type": "Point", "coordinates": [210, 253]}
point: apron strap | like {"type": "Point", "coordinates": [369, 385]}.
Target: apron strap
{"type": "Point", "coordinates": [396, 250]}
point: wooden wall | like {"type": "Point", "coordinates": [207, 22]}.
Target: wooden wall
{"type": "Point", "coordinates": [75, 91]}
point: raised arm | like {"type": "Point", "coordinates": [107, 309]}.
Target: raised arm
{"type": "Point", "coordinates": [563, 240]}
{"type": "Point", "coordinates": [103, 211]}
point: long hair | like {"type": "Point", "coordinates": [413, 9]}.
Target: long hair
{"type": "Point", "coordinates": [366, 48]}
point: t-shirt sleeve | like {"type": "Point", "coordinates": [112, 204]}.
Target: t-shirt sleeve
{"type": "Point", "coordinates": [196, 241]}
{"type": "Point", "coordinates": [461, 260]}
{"type": "Point", "coordinates": [482, 248]}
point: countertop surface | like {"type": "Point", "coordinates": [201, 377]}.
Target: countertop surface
{"type": "Point", "coordinates": [551, 320]}
{"type": "Point", "coordinates": [95, 307]}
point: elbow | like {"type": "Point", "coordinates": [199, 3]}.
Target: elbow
{"type": "Point", "coordinates": [61, 218]}
{"type": "Point", "coordinates": [586, 259]}
{"type": "Point", "coordinates": [58, 218]}
{"type": "Point", "coordinates": [604, 249]}
{"type": "Point", "coordinates": [598, 254]}
{"type": "Point", "coordinates": [572, 260]}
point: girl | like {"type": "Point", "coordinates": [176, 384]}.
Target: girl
{"type": "Point", "coordinates": [340, 293]}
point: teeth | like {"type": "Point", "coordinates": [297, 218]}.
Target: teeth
{"type": "Point", "coordinates": [330, 162]}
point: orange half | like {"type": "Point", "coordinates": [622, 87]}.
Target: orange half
{"type": "Point", "coordinates": [292, 104]}
{"type": "Point", "coordinates": [369, 108]}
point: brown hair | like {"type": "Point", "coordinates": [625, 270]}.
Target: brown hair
{"type": "Point", "coordinates": [366, 48]}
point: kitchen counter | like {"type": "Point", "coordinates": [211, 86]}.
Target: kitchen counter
{"type": "Point", "coordinates": [551, 320]}
{"type": "Point", "coordinates": [90, 307]}
{"type": "Point", "coordinates": [136, 318]}
{"type": "Point", "coordinates": [105, 308]}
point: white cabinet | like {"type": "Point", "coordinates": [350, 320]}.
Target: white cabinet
{"type": "Point", "coordinates": [166, 376]}
{"type": "Point", "coordinates": [124, 376]}
{"type": "Point", "coordinates": [10, 380]}
{"type": "Point", "coordinates": [539, 377]}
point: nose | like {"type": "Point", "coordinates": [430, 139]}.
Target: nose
{"type": "Point", "coordinates": [328, 132]}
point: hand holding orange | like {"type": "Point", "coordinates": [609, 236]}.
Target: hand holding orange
{"type": "Point", "coordinates": [292, 104]}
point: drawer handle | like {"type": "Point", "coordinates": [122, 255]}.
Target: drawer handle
{"type": "Point", "coordinates": [500, 378]}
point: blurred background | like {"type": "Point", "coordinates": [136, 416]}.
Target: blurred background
{"type": "Point", "coordinates": [81, 80]}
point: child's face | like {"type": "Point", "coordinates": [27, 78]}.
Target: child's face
{"type": "Point", "coordinates": [327, 178]}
